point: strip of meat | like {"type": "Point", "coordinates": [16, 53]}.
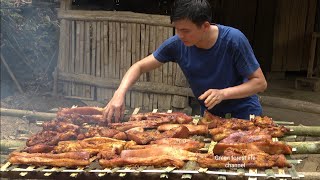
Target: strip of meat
{"type": "Point", "coordinates": [70, 155]}
{"type": "Point", "coordinates": [44, 161]}
{"type": "Point", "coordinates": [266, 146]}
{"type": "Point", "coordinates": [174, 117]}
{"type": "Point", "coordinates": [186, 144]}
{"type": "Point", "coordinates": [157, 161]}
{"type": "Point", "coordinates": [161, 151]}
{"type": "Point", "coordinates": [234, 158]}
{"type": "Point", "coordinates": [86, 110]}
{"type": "Point", "coordinates": [193, 129]}
{"type": "Point", "coordinates": [124, 126]}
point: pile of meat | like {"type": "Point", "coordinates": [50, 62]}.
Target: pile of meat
{"type": "Point", "coordinates": [80, 135]}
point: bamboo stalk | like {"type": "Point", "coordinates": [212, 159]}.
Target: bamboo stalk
{"type": "Point", "coordinates": [310, 147]}
{"type": "Point", "coordinates": [304, 130]}
{"type": "Point", "coordinates": [26, 113]}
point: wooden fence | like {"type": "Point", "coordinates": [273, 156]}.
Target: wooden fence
{"type": "Point", "coordinates": [98, 47]}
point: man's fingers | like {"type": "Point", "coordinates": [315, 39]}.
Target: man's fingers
{"type": "Point", "coordinates": [117, 113]}
{"type": "Point", "coordinates": [122, 112]}
{"type": "Point", "coordinates": [204, 95]}
{"type": "Point", "coordinates": [110, 114]}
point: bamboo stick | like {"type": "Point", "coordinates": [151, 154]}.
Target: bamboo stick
{"type": "Point", "coordinates": [28, 114]}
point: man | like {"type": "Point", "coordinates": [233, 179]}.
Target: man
{"type": "Point", "coordinates": [217, 61]}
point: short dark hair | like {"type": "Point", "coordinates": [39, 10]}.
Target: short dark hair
{"type": "Point", "coordinates": [197, 11]}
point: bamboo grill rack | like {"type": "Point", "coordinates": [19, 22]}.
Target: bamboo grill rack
{"type": "Point", "coordinates": [9, 170]}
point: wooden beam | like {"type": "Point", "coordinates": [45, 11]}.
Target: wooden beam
{"type": "Point", "coordinates": [114, 83]}
{"type": "Point", "coordinates": [118, 16]}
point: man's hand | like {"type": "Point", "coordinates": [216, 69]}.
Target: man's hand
{"type": "Point", "coordinates": [212, 97]}
{"type": "Point", "coordinates": [115, 108]}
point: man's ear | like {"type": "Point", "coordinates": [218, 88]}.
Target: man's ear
{"type": "Point", "coordinates": [206, 25]}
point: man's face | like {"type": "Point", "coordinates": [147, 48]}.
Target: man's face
{"type": "Point", "coordinates": [189, 32]}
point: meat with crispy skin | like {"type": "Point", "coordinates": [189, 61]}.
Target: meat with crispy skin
{"type": "Point", "coordinates": [70, 159]}
{"type": "Point", "coordinates": [266, 146]}
{"type": "Point", "coordinates": [174, 117]}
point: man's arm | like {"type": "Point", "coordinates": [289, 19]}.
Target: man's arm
{"type": "Point", "coordinates": [256, 83]}
{"type": "Point", "coordinates": [116, 105]}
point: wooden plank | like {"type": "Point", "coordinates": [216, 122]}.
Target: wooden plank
{"type": "Point", "coordinates": [312, 52]}
{"type": "Point", "coordinates": [87, 58]}
{"type": "Point", "coordinates": [76, 54]}
{"type": "Point", "coordinates": [81, 66]}
{"type": "Point", "coordinates": [281, 31]}
{"type": "Point", "coordinates": [310, 21]}
{"type": "Point", "coordinates": [93, 54]}
{"type": "Point", "coordinates": [263, 34]}
{"type": "Point", "coordinates": [133, 60]}
{"type": "Point", "coordinates": [98, 60]}
{"type": "Point", "coordinates": [118, 50]}
{"type": "Point", "coordinates": [119, 16]}
{"type": "Point", "coordinates": [138, 57]}
{"type": "Point", "coordinates": [296, 35]}
{"type": "Point", "coordinates": [146, 96]}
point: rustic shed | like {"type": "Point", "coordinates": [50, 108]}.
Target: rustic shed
{"type": "Point", "coordinates": [97, 47]}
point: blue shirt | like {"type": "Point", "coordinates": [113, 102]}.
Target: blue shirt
{"type": "Point", "coordinates": [226, 64]}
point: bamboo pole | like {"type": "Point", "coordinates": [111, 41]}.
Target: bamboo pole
{"type": "Point", "coordinates": [6, 145]}
{"type": "Point", "coordinates": [310, 147]}
{"type": "Point", "coordinates": [290, 104]}
{"type": "Point", "coordinates": [304, 130]}
{"type": "Point", "coordinates": [28, 114]}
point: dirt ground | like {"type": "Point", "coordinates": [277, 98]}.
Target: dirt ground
{"type": "Point", "coordinates": [15, 128]}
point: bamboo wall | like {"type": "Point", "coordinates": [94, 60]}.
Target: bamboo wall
{"type": "Point", "coordinates": [97, 48]}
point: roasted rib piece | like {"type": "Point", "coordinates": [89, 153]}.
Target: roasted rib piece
{"type": "Point", "coordinates": [70, 159]}
{"type": "Point", "coordinates": [147, 136]}
{"type": "Point", "coordinates": [175, 117]}
{"type": "Point", "coordinates": [50, 138]}
{"type": "Point", "coordinates": [60, 126]}
{"type": "Point", "coordinates": [80, 115]}
{"type": "Point", "coordinates": [246, 158]}
{"type": "Point", "coordinates": [193, 129]}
